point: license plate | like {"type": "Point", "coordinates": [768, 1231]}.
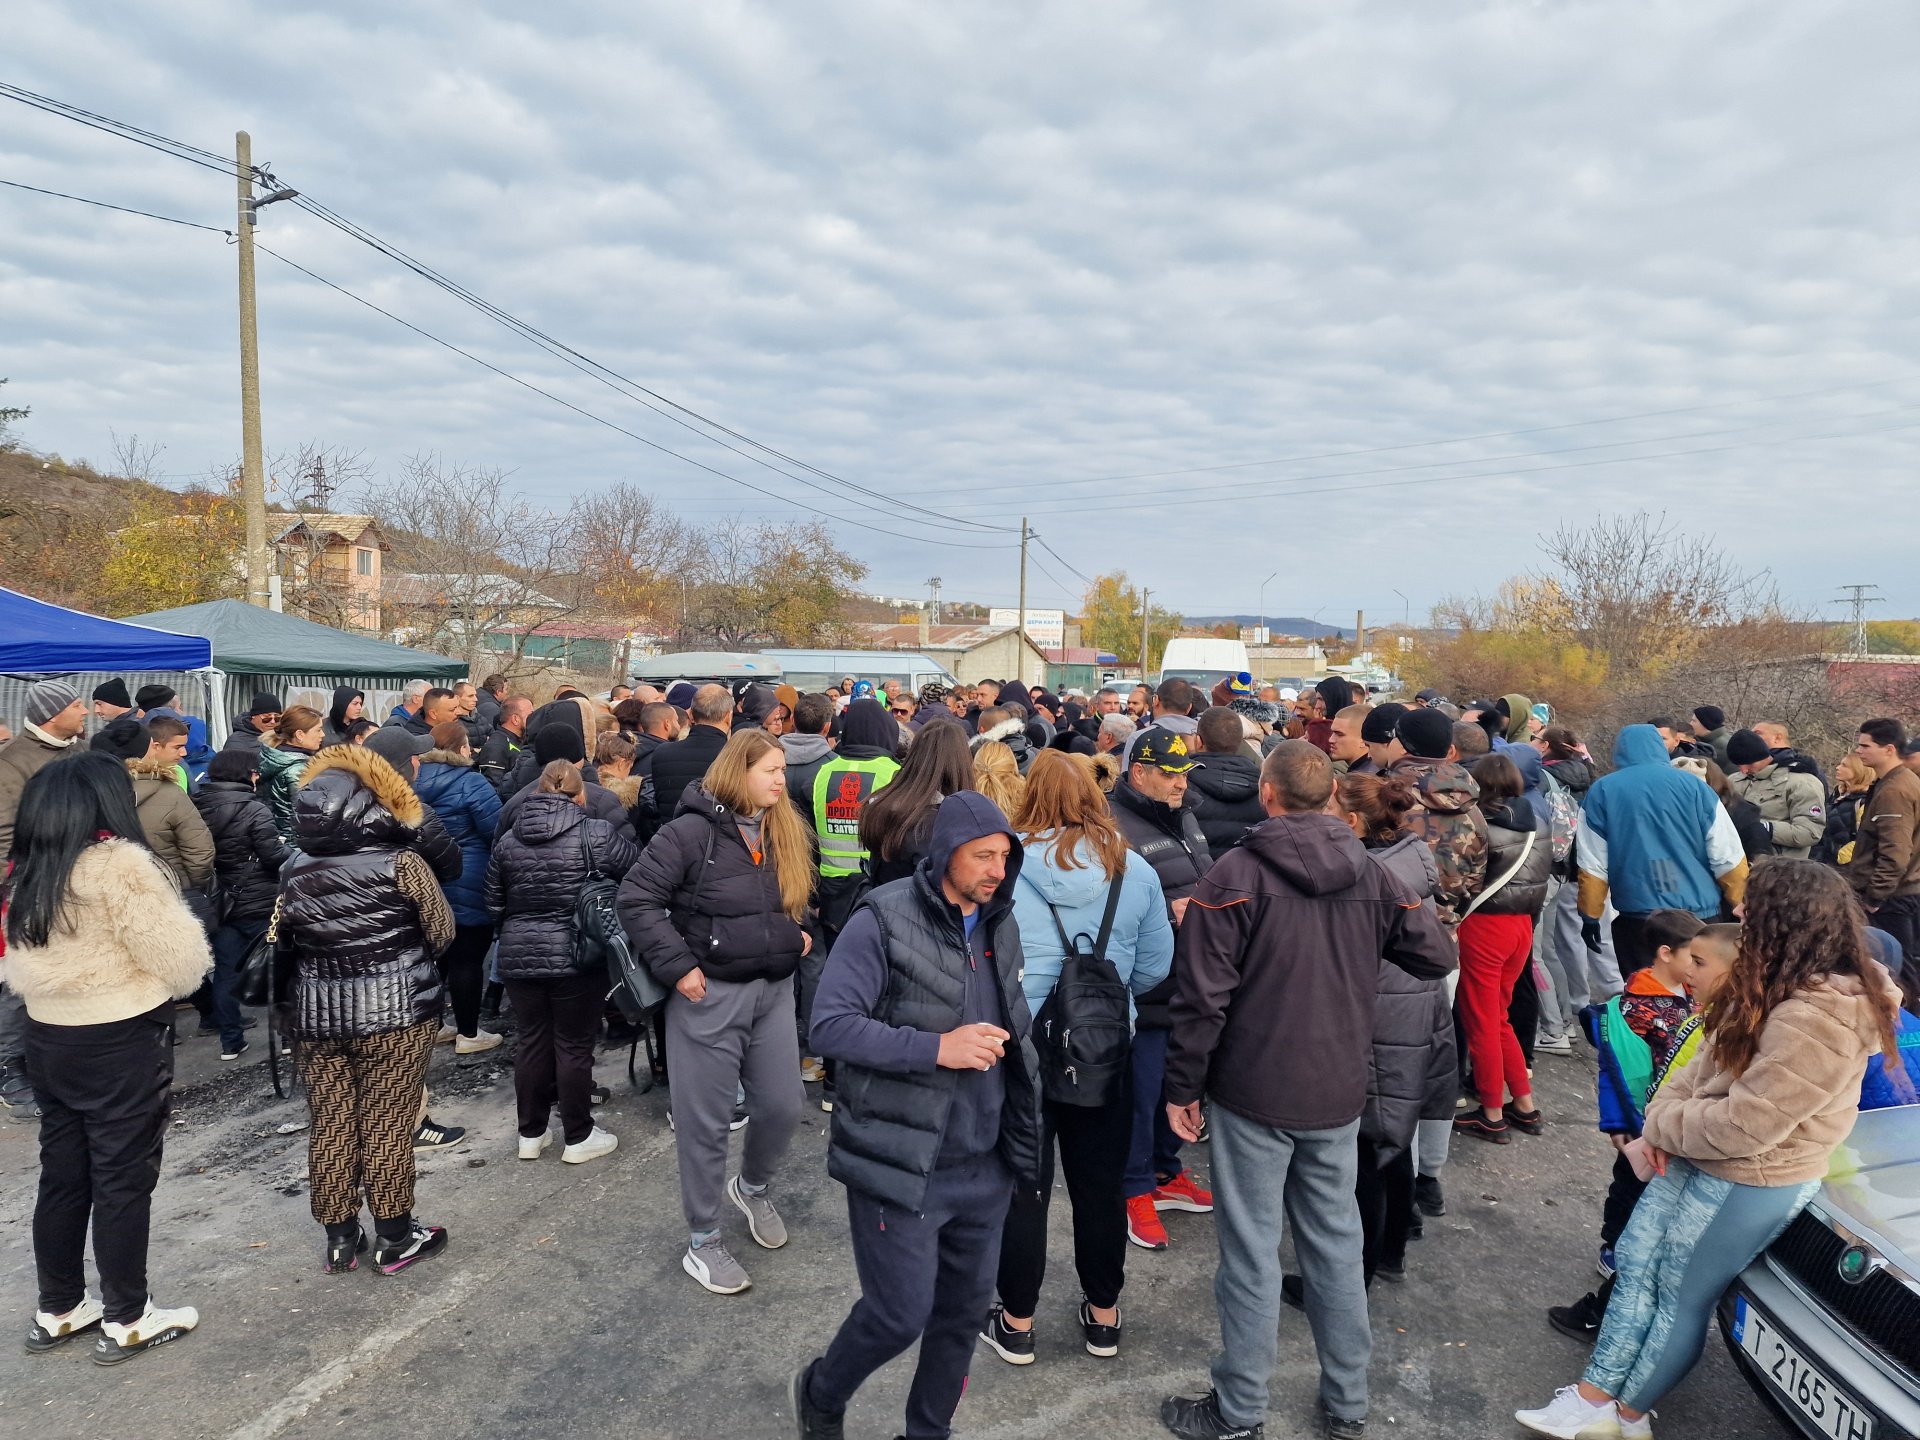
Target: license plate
{"type": "Point", "coordinates": [1833, 1411]}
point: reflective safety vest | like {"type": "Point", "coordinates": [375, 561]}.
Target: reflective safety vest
{"type": "Point", "coordinates": [841, 790]}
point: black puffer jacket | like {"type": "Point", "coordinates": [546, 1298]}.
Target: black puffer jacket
{"type": "Point", "coordinates": [680, 763]}
{"type": "Point", "coordinates": [1224, 795]}
{"type": "Point", "coordinates": [602, 804]}
{"type": "Point", "coordinates": [247, 851]}
{"type": "Point", "coordinates": [1415, 1070]}
{"type": "Point", "coordinates": [697, 899]}
{"type": "Point", "coordinates": [360, 910]}
{"type": "Point", "coordinates": [1173, 843]}
{"type": "Point", "coordinates": [1507, 829]}
{"type": "Point", "coordinates": [1575, 776]}
{"type": "Point", "coordinates": [534, 878]}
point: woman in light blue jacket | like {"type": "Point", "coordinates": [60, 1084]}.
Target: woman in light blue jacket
{"type": "Point", "coordinates": [1075, 855]}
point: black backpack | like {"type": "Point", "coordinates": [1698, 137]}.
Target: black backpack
{"type": "Point", "coordinates": [1083, 1032]}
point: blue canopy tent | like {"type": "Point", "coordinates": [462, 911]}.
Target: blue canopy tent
{"type": "Point", "coordinates": [38, 640]}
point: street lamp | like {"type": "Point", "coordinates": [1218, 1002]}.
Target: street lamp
{"type": "Point", "coordinates": [1263, 598]}
{"type": "Point", "coordinates": [1405, 609]}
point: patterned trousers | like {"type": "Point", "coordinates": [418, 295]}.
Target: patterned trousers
{"type": "Point", "coordinates": [364, 1098]}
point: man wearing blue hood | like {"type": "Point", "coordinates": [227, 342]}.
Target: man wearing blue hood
{"type": "Point", "coordinates": [938, 1115]}
{"type": "Point", "coordinates": [1657, 839]}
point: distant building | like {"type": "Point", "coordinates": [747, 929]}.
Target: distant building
{"type": "Point", "coordinates": [329, 567]}
{"type": "Point", "coordinates": [971, 652]}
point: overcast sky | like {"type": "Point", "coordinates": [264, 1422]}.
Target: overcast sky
{"type": "Point", "coordinates": [987, 258]}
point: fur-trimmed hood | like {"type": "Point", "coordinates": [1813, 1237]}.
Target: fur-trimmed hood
{"type": "Point", "coordinates": [152, 768]}
{"type": "Point", "coordinates": [350, 798]}
{"type": "Point", "coordinates": [626, 790]}
{"type": "Point", "coordinates": [1000, 732]}
{"type": "Point", "coordinates": [445, 757]}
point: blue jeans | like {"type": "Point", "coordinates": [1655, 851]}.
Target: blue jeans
{"type": "Point", "coordinates": [230, 945]}
{"type": "Point", "coordinates": [1262, 1178]}
{"type": "Point", "coordinates": [1690, 1235]}
{"type": "Point", "coordinates": [1154, 1152]}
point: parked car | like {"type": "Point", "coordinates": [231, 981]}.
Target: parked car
{"type": "Point", "coordinates": [1826, 1324]}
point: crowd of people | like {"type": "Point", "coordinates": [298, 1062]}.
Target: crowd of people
{"type": "Point", "coordinates": [998, 934]}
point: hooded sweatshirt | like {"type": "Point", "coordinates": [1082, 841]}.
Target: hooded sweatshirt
{"type": "Point", "coordinates": [859, 989]}
{"type": "Point", "coordinates": [1519, 711]}
{"type": "Point", "coordinates": [1276, 972]}
{"type": "Point", "coordinates": [1657, 838]}
{"type": "Point", "coordinates": [336, 721]}
{"type": "Point", "coordinates": [1224, 795]}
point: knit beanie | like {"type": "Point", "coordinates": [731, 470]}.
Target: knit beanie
{"type": "Point", "coordinates": [1711, 717]}
{"type": "Point", "coordinates": [264, 704]}
{"type": "Point", "coordinates": [1426, 733]}
{"type": "Point", "coordinates": [152, 697]}
{"type": "Point", "coordinates": [47, 698]}
{"type": "Point", "coordinates": [680, 696]}
{"type": "Point", "coordinates": [558, 741]}
{"type": "Point", "coordinates": [114, 692]}
{"type": "Point", "coordinates": [125, 738]}
{"type": "Point", "coordinates": [1378, 727]}
{"type": "Point", "coordinates": [1746, 748]}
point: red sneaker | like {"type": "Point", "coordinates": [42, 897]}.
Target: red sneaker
{"type": "Point", "coordinates": [1180, 1193]}
{"type": "Point", "coordinates": [1143, 1225]}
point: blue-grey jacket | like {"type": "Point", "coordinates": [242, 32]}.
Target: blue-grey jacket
{"type": "Point", "coordinates": [470, 809]}
{"type": "Point", "coordinates": [1141, 946]}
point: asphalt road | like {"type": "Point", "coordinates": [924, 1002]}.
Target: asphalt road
{"type": "Point", "coordinates": [560, 1308]}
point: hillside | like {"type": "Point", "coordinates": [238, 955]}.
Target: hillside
{"type": "Point", "coordinates": [1278, 624]}
{"type": "Point", "coordinates": [55, 516]}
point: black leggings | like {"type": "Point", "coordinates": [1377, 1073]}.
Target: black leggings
{"type": "Point", "coordinates": [1093, 1142]}
{"type": "Point", "coordinates": [463, 966]}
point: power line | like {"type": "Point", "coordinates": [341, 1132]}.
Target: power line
{"type": "Point", "coordinates": [611, 424]}
{"type": "Point", "coordinates": [123, 209]}
{"type": "Point", "coordinates": [179, 149]}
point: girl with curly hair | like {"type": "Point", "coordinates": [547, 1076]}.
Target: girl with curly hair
{"type": "Point", "coordinates": [1738, 1141]}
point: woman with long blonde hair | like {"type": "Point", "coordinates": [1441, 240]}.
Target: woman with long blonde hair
{"type": "Point", "coordinates": [996, 775]}
{"type": "Point", "coordinates": [719, 906]}
{"type": "Point", "coordinates": [1077, 861]}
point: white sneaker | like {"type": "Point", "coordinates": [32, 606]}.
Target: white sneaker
{"type": "Point", "coordinates": [48, 1332]}
{"type": "Point", "coordinates": [1569, 1417]}
{"type": "Point", "coordinates": [156, 1327]}
{"type": "Point", "coordinates": [600, 1142]}
{"type": "Point", "coordinates": [473, 1044]}
{"type": "Point", "coordinates": [532, 1147]}
{"type": "Point", "coordinates": [448, 1034]}
{"type": "Point", "coordinates": [1561, 1044]}
{"type": "Point", "coordinates": [1641, 1429]}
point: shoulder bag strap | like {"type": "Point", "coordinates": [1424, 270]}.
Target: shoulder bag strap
{"type": "Point", "coordinates": [1113, 908]}
{"type": "Point", "coordinates": [1497, 886]}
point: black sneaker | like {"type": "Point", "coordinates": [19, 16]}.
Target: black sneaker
{"type": "Point", "coordinates": [812, 1424]}
{"type": "Point", "coordinates": [344, 1250]}
{"type": "Point", "coordinates": [1011, 1345]}
{"type": "Point", "coordinates": [599, 1095]}
{"type": "Point", "coordinates": [1475, 1123]}
{"type": "Point", "coordinates": [1334, 1428]}
{"type": "Point", "coordinates": [1527, 1122]}
{"type": "Point", "coordinates": [421, 1242]}
{"type": "Point", "coordinates": [232, 1052]}
{"type": "Point", "coordinates": [1391, 1270]}
{"type": "Point", "coordinates": [1428, 1197]}
{"type": "Point", "coordinates": [1293, 1290]}
{"type": "Point", "coordinates": [16, 1093]}
{"type": "Point", "coordinates": [1581, 1320]}
{"type": "Point", "coordinates": [739, 1120]}
{"type": "Point", "coordinates": [1199, 1418]}
{"type": "Point", "coordinates": [1103, 1341]}
{"type": "Point", "coordinates": [432, 1135]}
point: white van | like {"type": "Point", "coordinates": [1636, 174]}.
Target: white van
{"type": "Point", "coordinates": [1202, 659]}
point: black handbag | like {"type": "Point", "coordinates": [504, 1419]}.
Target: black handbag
{"type": "Point", "coordinates": [600, 943]}
{"type": "Point", "coordinates": [266, 973]}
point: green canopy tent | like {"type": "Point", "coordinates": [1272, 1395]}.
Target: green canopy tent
{"type": "Point", "coordinates": [301, 662]}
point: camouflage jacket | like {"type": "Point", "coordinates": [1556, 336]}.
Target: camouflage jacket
{"type": "Point", "coordinates": [1448, 819]}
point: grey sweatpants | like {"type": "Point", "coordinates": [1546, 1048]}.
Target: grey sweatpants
{"type": "Point", "coordinates": [740, 1035]}
{"type": "Point", "coordinates": [1593, 978]}
{"type": "Point", "coordinates": [1261, 1175]}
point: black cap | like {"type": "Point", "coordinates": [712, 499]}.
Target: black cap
{"type": "Point", "coordinates": [1163, 750]}
{"type": "Point", "coordinates": [558, 741]}
{"type": "Point", "coordinates": [1377, 728]}
{"type": "Point", "coordinates": [114, 692]}
{"type": "Point", "coordinates": [1710, 716]}
{"type": "Point", "coordinates": [264, 704]}
{"type": "Point", "coordinates": [126, 738]}
{"type": "Point", "coordinates": [152, 697]}
{"type": "Point", "coordinates": [1426, 733]}
{"type": "Point", "coordinates": [1747, 748]}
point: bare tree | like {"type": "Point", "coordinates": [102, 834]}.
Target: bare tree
{"type": "Point", "coordinates": [630, 548]}
{"type": "Point", "coordinates": [477, 563]}
{"type": "Point", "coordinates": [133, 460]}
{"type": "Point", "coordinates": [767, 584]}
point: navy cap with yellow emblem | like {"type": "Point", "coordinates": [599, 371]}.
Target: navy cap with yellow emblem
{"type": "Point", "coordinates": [1164, 751]}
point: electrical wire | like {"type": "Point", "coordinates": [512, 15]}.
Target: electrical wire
{"type": "Point", "coordinates": [611, 424]}
{"type": "Point", "coordinates": [1061, 558]}
{"type": "Point", "coordinates": [179, 149]}
{"type": "Point", "coordinates": [123, 209]}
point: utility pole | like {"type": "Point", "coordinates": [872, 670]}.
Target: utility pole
{"type": "Point", "coordinates": [1146, 613]}
{"type": "Point", "coordinates": [253, 480]}
{"type": "Point", "coordinates": [1021, 651]}
{"type": "Point", "coordinates": [1858, 597]}
{"type": "Point", "coordinates": [253, 477]}
{"type": "Point", "coordinates": [933, 585]}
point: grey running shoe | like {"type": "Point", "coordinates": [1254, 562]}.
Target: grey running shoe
{"type": "Point", "coordinates": [715, 1268]}
{"type": "Point", "coordinates": [763, 1221]}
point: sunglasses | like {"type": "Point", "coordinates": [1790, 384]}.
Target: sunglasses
{"type": "Point", "coordinates": [903, 710]}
